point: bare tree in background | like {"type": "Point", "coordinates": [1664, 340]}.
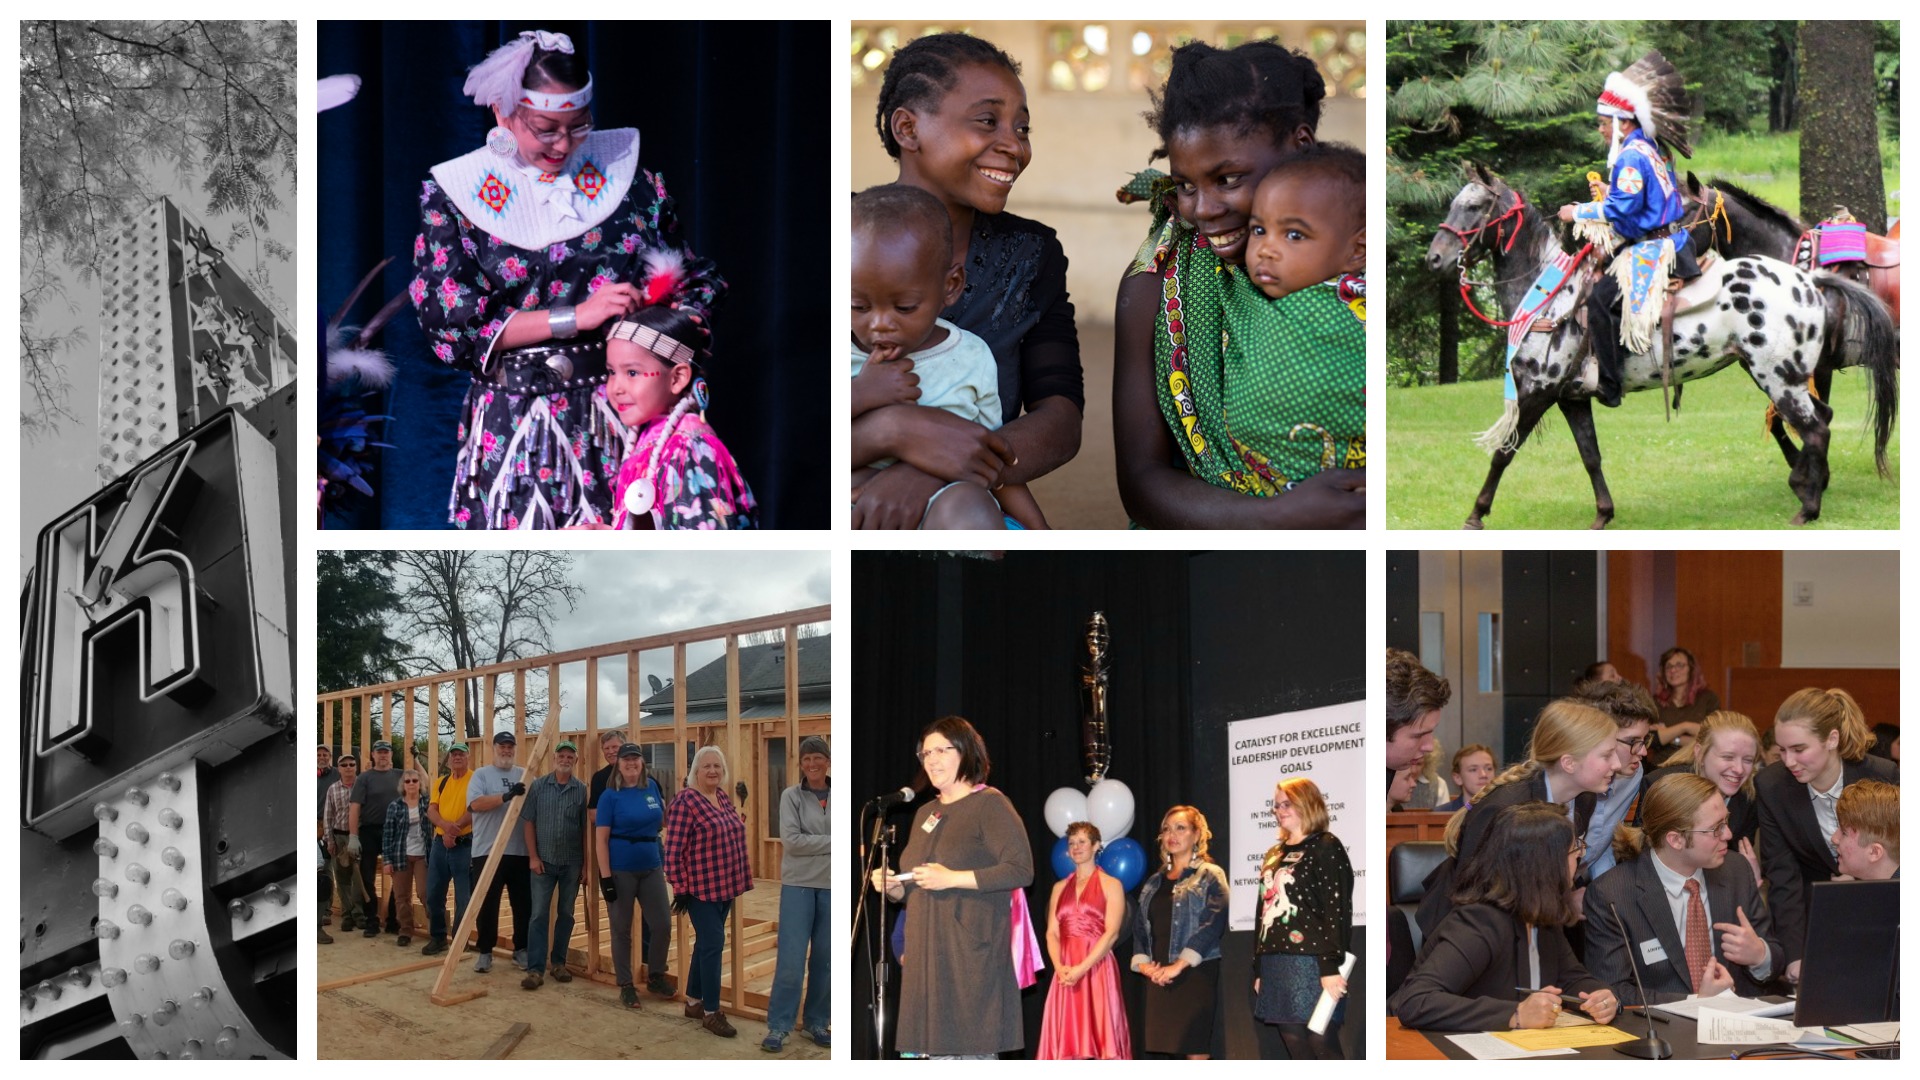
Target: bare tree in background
{"type": "Point", "coordinates": [467, 609]}
{"type": "Point", "coordinates": [103, 107]}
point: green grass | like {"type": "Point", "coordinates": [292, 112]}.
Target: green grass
{"type": "Point", "coordinates": [1769, 166]}
{"type": "Point", "coordinates": [1711, 468]}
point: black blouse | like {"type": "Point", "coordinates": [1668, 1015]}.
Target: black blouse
{"type": "Point", "coordinates": [1016, 300]}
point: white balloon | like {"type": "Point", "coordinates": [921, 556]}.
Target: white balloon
{"type": "Point", "coordinates": [1110, 808]}
{"type": "Point", "coordinates": [1064, 807]}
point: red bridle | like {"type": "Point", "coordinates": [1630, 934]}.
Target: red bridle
{"type": "Point", "coordinates": [1504, 240]}
{"type": "Point", "coordinates": [1502, 237]}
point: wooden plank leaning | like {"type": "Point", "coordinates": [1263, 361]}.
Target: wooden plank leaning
{"type": "Point", "coordinates": [549, 734]}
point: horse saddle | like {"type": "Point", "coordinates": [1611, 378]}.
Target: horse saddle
{"type": "Point", "coordinates": [1699, 292]}
{"type": "Point", "coordinates": [1879, 270]}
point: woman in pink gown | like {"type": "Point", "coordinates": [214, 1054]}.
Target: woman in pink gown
{"type": "Point", "coordinates": [1085, 1016]}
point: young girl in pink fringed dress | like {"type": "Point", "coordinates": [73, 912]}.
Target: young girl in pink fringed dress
{"type": "Point", "coordinates": [677, 474]}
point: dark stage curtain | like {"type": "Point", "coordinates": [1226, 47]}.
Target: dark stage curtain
{"type": "Point", "coordinates": [1198, 640]}
{"type": "Point", "coordinates": [729, 115]}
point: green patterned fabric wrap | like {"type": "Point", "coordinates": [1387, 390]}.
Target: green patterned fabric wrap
{"type": "Point", "coordinates": [1282, 393]}
{"type": "Point", "coordinates": [1296, 382]}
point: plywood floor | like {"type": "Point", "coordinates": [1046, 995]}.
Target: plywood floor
{"type": "Point", "coordinates": [392, 1017]}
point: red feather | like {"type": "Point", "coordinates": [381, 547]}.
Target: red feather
{"type": "Point", "coordinates": [665, 271]}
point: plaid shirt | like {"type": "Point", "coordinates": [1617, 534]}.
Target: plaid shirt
{"type": "Point", "coordinates": [706, 847]}
{"type": "Point", "coordinates": [338, 797]}
{"type": "Point", "coordinates": [393, 838]}
{"type": "Point", "coordinates": [559, 819]}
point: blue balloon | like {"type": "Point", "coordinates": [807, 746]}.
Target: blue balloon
{"type": "Point", "coordinates": [1062, 864]}
{"type": "Point", "coordinates": [1126, 862]}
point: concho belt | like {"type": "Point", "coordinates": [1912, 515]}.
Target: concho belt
{"type": "Point", "coordinates": [549, 369]}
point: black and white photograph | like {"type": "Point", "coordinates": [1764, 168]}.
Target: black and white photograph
{"type": "Point", "coordinates": [158, 865]}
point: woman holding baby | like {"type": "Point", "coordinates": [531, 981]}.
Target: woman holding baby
{"type": "Point", "coordinates": [1290, 376]}
{"type": "Point", "coordinates": [953, 113]}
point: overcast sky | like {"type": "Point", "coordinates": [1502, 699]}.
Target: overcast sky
{"type": "Point", "coordinates": [629, 595]}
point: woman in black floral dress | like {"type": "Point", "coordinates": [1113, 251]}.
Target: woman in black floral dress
{"type": "Point", "coordinates": [534, 238]}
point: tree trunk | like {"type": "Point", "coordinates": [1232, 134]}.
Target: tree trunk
{"type": "Point", "coordinates": [1839, 125]}
{"type": "Point", "coordinates": [1785, 92]}
{"type": "Point", "coordinates": [1449, 336]}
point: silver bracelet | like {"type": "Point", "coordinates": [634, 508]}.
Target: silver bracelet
{"type": "Point", "coordinates": [561, 323]}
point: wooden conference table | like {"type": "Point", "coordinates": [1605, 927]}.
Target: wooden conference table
{"type": "Point", "coordinates": [1405, 1043]}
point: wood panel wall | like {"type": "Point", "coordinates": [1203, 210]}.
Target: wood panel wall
{"type": "Point", "coordinates": [1758, 692]}
{"type": "Point", "coordinates": [1723, 606]}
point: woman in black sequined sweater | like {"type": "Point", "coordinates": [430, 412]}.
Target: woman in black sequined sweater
{"type": "Point", "coordinates": [1305, 922]}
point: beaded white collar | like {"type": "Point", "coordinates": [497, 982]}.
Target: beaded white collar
{"type": "Point", "coordinates": [529, 209]}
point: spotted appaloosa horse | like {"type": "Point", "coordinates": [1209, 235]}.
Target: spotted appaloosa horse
{"type": "Point", "coordinates": [1731, 220]}
{"type": "Point", "coordinates": [1776, 322]}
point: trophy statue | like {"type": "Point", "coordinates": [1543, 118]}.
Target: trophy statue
{"type": "Point", "coordinates": [1094, 669]}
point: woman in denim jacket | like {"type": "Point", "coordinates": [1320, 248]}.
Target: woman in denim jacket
{"type": "Point", "coordinates": [1177, 928]}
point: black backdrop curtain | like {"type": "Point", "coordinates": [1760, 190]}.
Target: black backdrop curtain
{"type": "Point", "coordinates": [1198, 640]}
{"type": "Point", "coordinates": [731, 115]}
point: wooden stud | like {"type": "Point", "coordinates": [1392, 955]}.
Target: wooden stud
{"type": "Point", "coordinates": [633, 695]}
{"type": "Point", "coordinates": [370, 976]}
{"type": "Point", "coordinates": [590, 892]}
{"type": "Point", "coordinates": [433, 730]}
{"type": "Point", "coordinates": [520, 704]}
{"type": "Point", "coordinates": [682, 760]}
{"type": "Point", "coordinates": [460, 712]}
{"type": "Point", "coordinates": [554, 717]}
{"type": "Point", "coordinates": [504, 1045]}
{"type": "Point", "coordinates": [491, 684]}
{"type": "Point", "coordinates": [734, 758]}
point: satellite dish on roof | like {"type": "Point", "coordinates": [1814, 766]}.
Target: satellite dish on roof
{"type": "Point", "coordinates": [654, 681]}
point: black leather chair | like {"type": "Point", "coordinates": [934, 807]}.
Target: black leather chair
{"type": "Point", "coordinates": [1407, 869]}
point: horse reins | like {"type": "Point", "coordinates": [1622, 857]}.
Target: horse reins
{"type": "Point", "coordinates": [1500, 233]}
{"type": "Point", "coordinates": [1708, 217]}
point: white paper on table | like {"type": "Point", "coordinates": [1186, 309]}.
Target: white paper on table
{"type": "Point", "coordinates": [1488, 1047]}
{"type": "Point", "coordinates": [1722, 1028]}
{"type": "Point", "coordinates": [1884, 1032]}
{"type": "Point", "coordinates": [1726, 1001]}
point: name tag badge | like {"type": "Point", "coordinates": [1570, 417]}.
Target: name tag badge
{"type": "Point", "coordinates": [932, 821]}
{"type": "Point", "coordinates": [1652, 951]}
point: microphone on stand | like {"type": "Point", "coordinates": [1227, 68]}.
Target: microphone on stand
{"type": "Point", "coordinates": [894, 798]}
{"type": "Point", "coordinates": [1653, 1047]}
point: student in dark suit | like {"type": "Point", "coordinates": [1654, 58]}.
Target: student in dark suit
{"type": "Point", "coordinates": [1504, 932]}
{"type": "Point", "coordinates": [1693, 923]}
{"type": "Point", "coordinates": [1727, 752]}
{"type": "Point", "coordinates": [1823, 740]}
{"type": "Point", "coordinates": [1570, 759]}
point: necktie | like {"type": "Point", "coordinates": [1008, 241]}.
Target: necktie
{"type": "Point", "coordinates": [1699, 943]}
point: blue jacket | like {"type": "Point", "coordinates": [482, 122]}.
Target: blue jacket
{"type": "Point", "coordinates": [1199, 915]}
{"type": "Point", "coordinates": [1641, 194]}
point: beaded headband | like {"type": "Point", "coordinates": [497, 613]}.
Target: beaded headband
{"type": "Point", "coordinates": [660, 345]}
{"type": "Point", "coordinates": [546, 102]}
{"type": "Point", "coordinates": [498, 80]}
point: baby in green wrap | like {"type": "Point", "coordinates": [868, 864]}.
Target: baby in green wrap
{"type": "Point", "coordinates": [1296, 353]}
